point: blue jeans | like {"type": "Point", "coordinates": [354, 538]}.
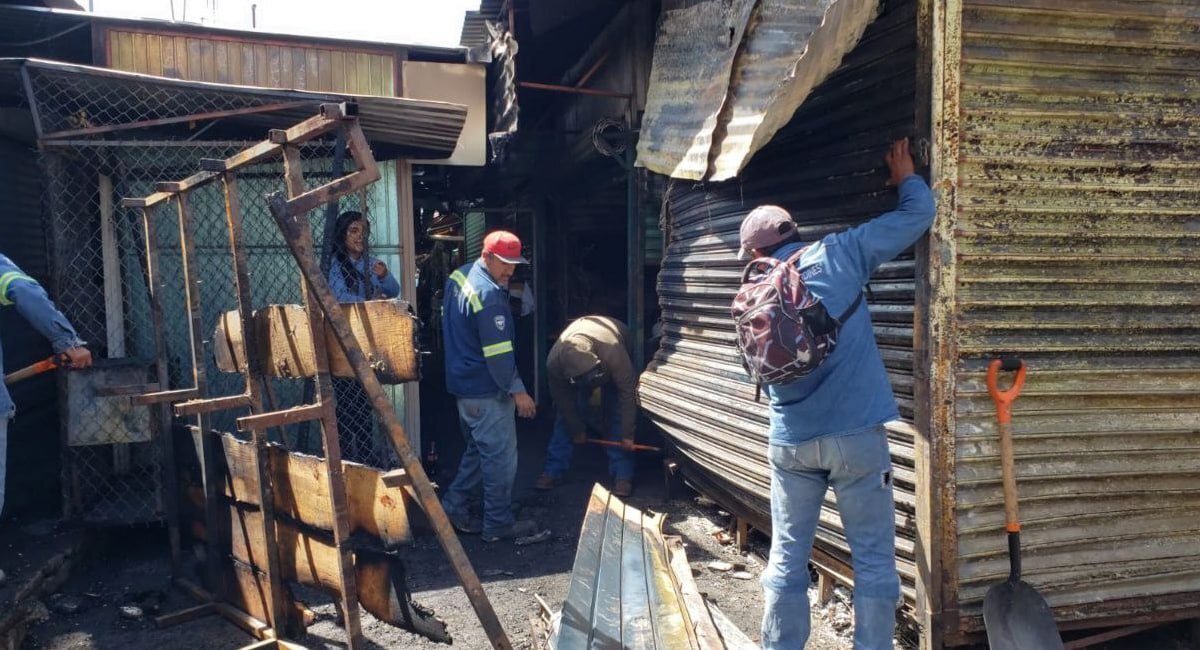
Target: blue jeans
{"type": "Point", "coordinates": [558, 452]}
{"type": "Point", "coordinates": [490, 427]}
{"type": "Point", "coordinates": [859, 469]}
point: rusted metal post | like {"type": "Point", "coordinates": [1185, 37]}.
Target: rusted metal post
{"type": "Point", "coordinates": [212, 481]}
{"type": "Point", "coordinates": [294, 177]}
{"type": "Point", "coordinates": [299, 239]}
{"type": "Point", "coordinates": [254, 381]}
{"type": "Point", "coordinates": [161, 424]}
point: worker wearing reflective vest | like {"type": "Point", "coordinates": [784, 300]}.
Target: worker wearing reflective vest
{"type": "Point", "coordinates": [481, 372]}
{"type": "Point", "coordinates": [22, 291]}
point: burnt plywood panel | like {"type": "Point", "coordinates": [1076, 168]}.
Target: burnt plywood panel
{"type": "Point", "coordinates": [1077, 229]}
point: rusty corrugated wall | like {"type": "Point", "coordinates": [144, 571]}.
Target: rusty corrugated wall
{"type": "Point", "coordinates": [1072, 133]}
{"type": "Point", "coordinates": [825, 166]}
{"type": "Point", "coordinates": [250, 62]}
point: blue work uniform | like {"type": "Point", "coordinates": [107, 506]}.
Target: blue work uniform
{"type": "Point", "coordinates": [827, 431]}
{"type": "Point", "coordinates": [22, 291]}
{"type": "Point", "coordinates": [481, 371]}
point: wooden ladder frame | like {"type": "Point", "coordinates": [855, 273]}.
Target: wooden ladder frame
{"type": "Point", "coordinates": [322, 309]}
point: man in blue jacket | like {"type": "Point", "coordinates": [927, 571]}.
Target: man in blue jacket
{"type": "Point", "coordinates": [481, 372]}
{"type": "Point", "coordinates": [826, 428]}
{"type": "Point", "coordinates": [35, 306]}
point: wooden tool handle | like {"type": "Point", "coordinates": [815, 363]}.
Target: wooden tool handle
{"type": "Point", "coordinates": [610, 443]}
{"type": "Point", "coordinates": [1012, 521]}
{"type": "Point", "coordinates": [1003, 400]}
{"type": "Point", "coordinates": [45, 365]}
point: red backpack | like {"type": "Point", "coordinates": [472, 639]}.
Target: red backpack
{"type": "Point", "coordinates": [784, 332]}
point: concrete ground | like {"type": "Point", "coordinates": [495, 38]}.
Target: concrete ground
{"type": "Point", "coordinates": [130, 567]}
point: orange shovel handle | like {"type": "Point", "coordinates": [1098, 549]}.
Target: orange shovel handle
{"type": "Point", "coordinates": [1005, 398]}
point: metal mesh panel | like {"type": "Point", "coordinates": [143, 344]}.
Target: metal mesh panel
{"type": "Point", "coordinates": [78, 252]}
{"type": "Point", "coordinates": [69, 101]}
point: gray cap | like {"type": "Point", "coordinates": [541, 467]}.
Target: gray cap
{"type": "Point", "coordinates": [572, 357]}
{"type": "Point", "coordinates": [764, 227]}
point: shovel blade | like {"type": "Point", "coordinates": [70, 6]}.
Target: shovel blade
{"type": "Point", "coordinates": [1018, 618]}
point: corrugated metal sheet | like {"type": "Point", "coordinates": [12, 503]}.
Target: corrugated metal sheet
{"type": "Point", "coordinates": [689, 83]}
{"type": "Point", "coordinates": [623, 592]}
{"type": "Point", "coordinates": [824, 166]}
{"type": "Point", "coordinates": [250, 62]}
{"type": "Point", "coordinates": [727, 76]}
{"type": "Point", "coordinates": [474, 228]}
{"type": "Point", "coordinates": [63, 92]}
{"type": "Point", "coordinates": [1076, 224]}
{"type": "Point", "coordinates": [474, 29]}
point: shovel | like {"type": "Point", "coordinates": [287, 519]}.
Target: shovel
{"type": "Point", "coordinates": [1014, 613]}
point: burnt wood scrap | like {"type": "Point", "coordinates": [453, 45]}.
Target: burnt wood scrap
{"type": "Point", "coordinates": [386, 330]}
{"type": "Point", "coordinates": [378, 520]}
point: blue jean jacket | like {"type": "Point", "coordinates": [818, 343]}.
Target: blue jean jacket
{"type": "Point", "coordinates": [35, 306]}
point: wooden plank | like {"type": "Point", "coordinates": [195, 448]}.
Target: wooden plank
{"type": "Point", "coordinates": [208, 60]}
{"type": "Point", "coordinates": [248, 67]}
{"type": "Point", "coordinates": [274, 66]}
{"type": "Point", "coordinates": [220, 60]}
{"type": "Point", "coordinates": [286, 75]}
{"type": "Point", "coordinates": [384, 328]}
{"type": "Point", "coordinates": [377, 501]}
{"type": "Point", "coordinates": [338, 60]}
{"type": "Point", "coordinates": [389, 77]}
{"type": "Point", "coordinates": [325, 70]}
{"type": "Point", "coordinates": [154, 56]}
{"type": "Point", "coordinates": [185, 615]}
{"type": "Point", "coordinates": [138, 52]}
{"type": "Point", "coordinates": [280, 418]}
{"type": "Point", "coordinates": [311, 73]}
{"type": "Point", "coordinates": [236, 63]}
{"type": "Point", "coordinates": [312, 560]}
{"type": "Point", "coordinates": [164, 396]}
{"type": "Point", "coordinates": [195, 61]}
{"type": "Point", "coordinates": [254, 387]}
{"type": "Point", "coordinates": [191, 275]}
{"type": "Point", "coordinates": [362, 74]}
{"type": "Point", "coordinates": [181, 57]}
{"type": "Point", "coordinates": [300, 68]}
{"type": "Point", "coordinates": [262, 66]}
{"type": "Point", "coordinates": [161, 425]}
{"type": "Point", "coordinates": [169, 67]}
{"type": "Point", "coordinates": [196, 407]}
{"type": "Point", "coordinates": [293, 167]}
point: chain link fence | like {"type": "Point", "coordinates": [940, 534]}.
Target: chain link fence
{"type": "Point", "coordinates": [112, 468]}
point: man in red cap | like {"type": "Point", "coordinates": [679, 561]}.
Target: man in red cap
{"type": "Point", "coordinates": [481, 371]}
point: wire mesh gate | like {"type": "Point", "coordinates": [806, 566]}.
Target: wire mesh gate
{"type": "Point", "coordinates": [111, 477]}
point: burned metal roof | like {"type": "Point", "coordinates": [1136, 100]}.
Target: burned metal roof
{"type": "Point", "coordinates": [83, 101]}
{"type": "Point", "coordinates": [726, 78]}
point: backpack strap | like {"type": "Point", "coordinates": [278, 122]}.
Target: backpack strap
{"type": "Point", "coordinates": [853, 306]}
